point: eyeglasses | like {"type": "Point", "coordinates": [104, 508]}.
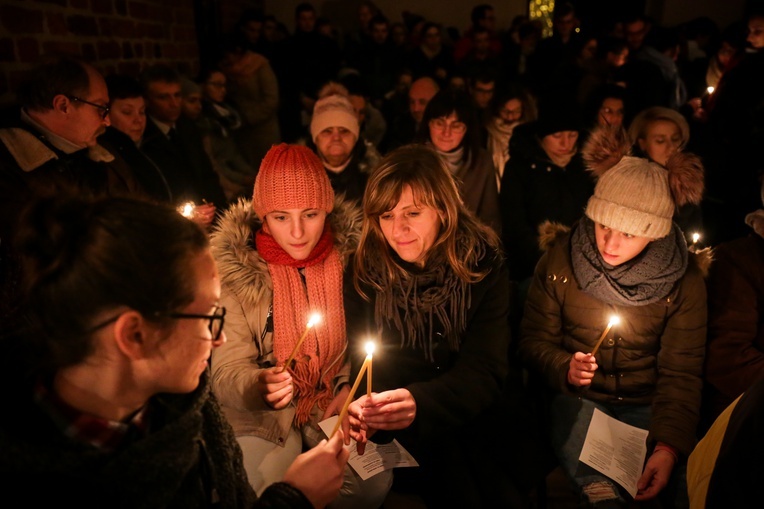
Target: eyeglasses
{"type": "Point", "coordinates": [217, 319]}
{"type": "Point", "coordinates": [441, 124]}
{"type": "Point", "coordinates": [104, 109]}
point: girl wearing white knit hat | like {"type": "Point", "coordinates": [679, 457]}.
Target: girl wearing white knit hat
{"type": "Point", "coordinates": [625, 257]}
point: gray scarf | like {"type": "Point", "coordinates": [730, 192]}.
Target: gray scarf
{"type": "Point", "coordinates": [454, 159]}
{"type": "Point", "coordinates": [421, 299]}
{"type": "Point", "coordinates": [647, 278]}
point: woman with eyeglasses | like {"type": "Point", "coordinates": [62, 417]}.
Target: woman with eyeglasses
{"type": "Point", "coordinates": [109, 381]}
{"type": "Point", "coordinates": [281, 258]}
{"type": "Point", "coordinates": [450, 126]}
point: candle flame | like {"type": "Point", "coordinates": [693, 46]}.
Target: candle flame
{"type": "Point", "coordinates": [614, 320]}
{"type": "Point", "coordinates": [314, 319]}
{"type": "Point", "coordinates": [369, 348]}
{"type": "Point", "coordinates": [710, 90]}
{"type": "Point", "coordinates": [187, 209]}
{"type": "Point", "coordinates": [695, 237]}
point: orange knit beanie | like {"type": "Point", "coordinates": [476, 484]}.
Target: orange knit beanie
{"type": "Point", "coordinates": [291, 177]}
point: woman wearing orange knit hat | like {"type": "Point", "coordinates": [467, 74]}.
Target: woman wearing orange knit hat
{"type": "Point", "coordinates": [281, 260]}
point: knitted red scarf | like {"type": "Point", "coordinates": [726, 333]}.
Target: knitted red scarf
{"type": "Point", "coordinates": [292, 306]}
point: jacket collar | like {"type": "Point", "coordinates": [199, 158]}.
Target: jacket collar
{"type": "Point", "coordinates": [30, 152]}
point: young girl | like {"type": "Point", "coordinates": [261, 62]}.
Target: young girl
{"type": "Point", "coordinates": [627, 258]}
{"type": "Point", "coordinates": [281, 260]}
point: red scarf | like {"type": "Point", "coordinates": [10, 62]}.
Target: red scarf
{"type": "Point", "coordinates": [292, 307]}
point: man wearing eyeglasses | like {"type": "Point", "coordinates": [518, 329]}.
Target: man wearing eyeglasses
{"type": "Point", "coordinates": [52, 147]}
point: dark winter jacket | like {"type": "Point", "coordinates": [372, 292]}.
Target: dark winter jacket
{"type": "Point", "coordinates": [455, 387]}
{"type": "Point", "coordinates": [534, 190]}
{"type": "Point", "coordinates": [146, 172]}
{"type": "Point", "coordinates": [184, 163]}
{"type": "Point", "coordinates": [30, 166]}
{"type": "Point", "coordinates": [653, 357]}
{"type": "Point", "coordinates": [735, 353]}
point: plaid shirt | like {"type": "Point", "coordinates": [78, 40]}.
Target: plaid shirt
{"type": "Point", "coordinates": [96, 431]}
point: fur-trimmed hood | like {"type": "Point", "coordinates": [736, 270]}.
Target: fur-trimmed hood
{"type": "Point", "coordinates": [550, 233]}
{"type": "Point", "coordinates": [241, 267]}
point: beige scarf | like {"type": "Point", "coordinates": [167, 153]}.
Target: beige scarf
{"type": "Point", "coordinates": [499, 134]}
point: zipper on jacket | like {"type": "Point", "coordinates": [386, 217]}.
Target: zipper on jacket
{"type": "Point", "coordinates": [268, 325]}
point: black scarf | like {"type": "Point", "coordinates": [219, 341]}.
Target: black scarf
{"type": "Point", "coordinates": [421, 298]}
{"type": "Point", "coordinates": [646, 278]}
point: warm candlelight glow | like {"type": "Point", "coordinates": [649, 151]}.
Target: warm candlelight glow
{"type": "Point", "coordinates": [344, 411]}
{"type": "Point", "coordinates": [710, 90]}
{"type": "Point", "coordinates": [614, 320]}
{"type": "Point", "coordinates": [695, 237]}
{"type": "Point", "coordinates": [369, 353]}
{"type": "Point", "coordinates": [187, 209]}
{"type": "Point", "coordinates": [313, 320]}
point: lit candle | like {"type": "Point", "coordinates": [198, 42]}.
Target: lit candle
{"type": "Point", "coordinates": [613, 321]}
{"type": "Point", "coordinates": [710, 90]}
{"type": "Point", "coordinates": [314, 319]}
{"type": "Point", "coordinates": [369, 352]}
{"type": "Point", "coordinates": [187, 209]}
{"type": "Point", "coordinates": [349, 399]}
{"type": "Point", "coordinates": [695, 237]}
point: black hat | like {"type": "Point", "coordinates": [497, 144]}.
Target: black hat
{"type": "Point", "coordinates": [557, 114]}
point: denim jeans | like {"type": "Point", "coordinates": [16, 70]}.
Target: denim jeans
{"type": "Point", "coordinates": [570, 417]}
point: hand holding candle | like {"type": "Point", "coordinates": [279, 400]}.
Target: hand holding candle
{"type": "Point", "coordinates": [365, 367]}
{"type": "Point", "coordinates": [695, 238]}
{"type": "Point", "coordinates": [614, 320]}
{"type": "Point", "coordinates": [314, 319]}
{"type": "Point", "coordinates": [187, 210]}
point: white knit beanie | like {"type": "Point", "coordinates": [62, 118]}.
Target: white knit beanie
{"type": "Point", "coordinates": [333, 111]}
{"type": "Point", "coordinates": [633, 197]}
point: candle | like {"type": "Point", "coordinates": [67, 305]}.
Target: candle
{"type": "Point", "coordinates": [710, 90]}
{"type": "Point", "coordinates": [187, 209]}
{"type": "Point", "coordinates": [613, 321]}
{"type": "Point", "coordinates": [369, 352]}
{"type": "Point", "coordinates": [349, 399]}
{"type": "Point", "coordinates": [314, 319]}
{"type": "Point", "coordinates": [695, 237]}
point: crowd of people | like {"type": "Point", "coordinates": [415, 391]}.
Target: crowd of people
{"type": "Point", "coordinates": [479, 203]}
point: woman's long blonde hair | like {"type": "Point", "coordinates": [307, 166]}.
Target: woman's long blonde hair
{"type": "Point", "coordinates": [461, 234]}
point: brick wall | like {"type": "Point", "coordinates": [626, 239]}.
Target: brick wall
{"type": "Point", "coordinates": [115, 35]}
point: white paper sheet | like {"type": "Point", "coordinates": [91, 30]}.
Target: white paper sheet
{"type": "Point", "coordinates": [376, 458]}
{"type": "Point", "coordinates": [615, 449]}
